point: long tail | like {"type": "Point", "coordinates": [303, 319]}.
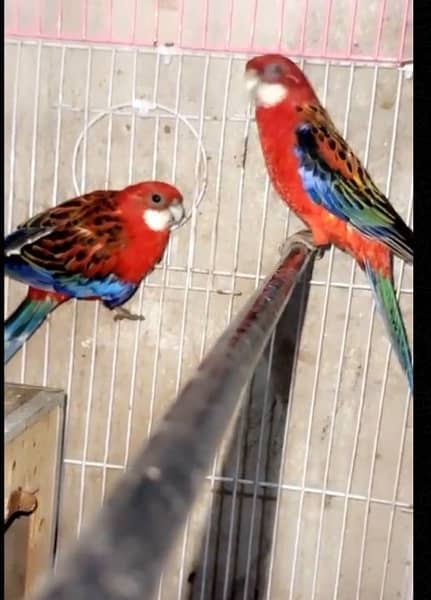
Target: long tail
{"type": "Point", "coordinates": [387, 302]}
{"type": "Point", "coordinates": [27, 317]}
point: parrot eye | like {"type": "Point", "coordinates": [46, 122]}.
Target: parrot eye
{"type": "Point", "coordinates": [156, 198]}
{"type": "Point", "coordinates": [273, 71]}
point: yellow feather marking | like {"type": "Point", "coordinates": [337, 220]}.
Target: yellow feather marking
{"type": "Point", "coordinates": [84, 231]}
{"type": "Point", "coordinates": [358, 181]}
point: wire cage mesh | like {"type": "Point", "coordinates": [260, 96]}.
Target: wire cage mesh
{"type": "Point", "coordinates": [314, 498]}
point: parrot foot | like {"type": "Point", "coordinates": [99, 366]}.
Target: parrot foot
{"type": "Point", "coordinates": [305, 237]}
{"type": "Point", "coordinates": [123, 313]}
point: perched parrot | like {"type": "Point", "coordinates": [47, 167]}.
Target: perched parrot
{"type": "Point", "coordinates": [316, 173]}
{"type": "Point", "coordinates": [98, 246]}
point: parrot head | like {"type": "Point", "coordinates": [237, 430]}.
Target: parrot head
{"type": "Point", "coordinates": [159, 204]}
{"type": "Point", "coordinates": [273, 78]}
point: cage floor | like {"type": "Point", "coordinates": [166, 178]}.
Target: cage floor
{"type": "Point", "coordinates": [314, 498]}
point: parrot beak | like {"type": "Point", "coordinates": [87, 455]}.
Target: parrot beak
{"type": "Point", "coordinates": [177, 212]}
{"type": "Point", "coordinates": [252, 80]}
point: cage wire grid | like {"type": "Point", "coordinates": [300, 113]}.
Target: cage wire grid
{"type": "Point", "coordinates": [317, 486]}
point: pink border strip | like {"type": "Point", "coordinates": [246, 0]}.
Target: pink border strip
{"type": "Point", "coordinates": [35, 30]}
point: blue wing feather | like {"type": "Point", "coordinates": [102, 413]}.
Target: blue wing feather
{"type": "Point", "coordinates": [55, 277]}
{"type": "Point", "coordinates": [110, 289]}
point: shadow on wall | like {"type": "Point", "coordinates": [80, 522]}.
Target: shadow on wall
{"type": "Point", "coordinates": [234, 562]}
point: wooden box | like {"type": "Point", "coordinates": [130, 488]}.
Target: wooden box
{"type": "Point", "coordinates": [34, 419]}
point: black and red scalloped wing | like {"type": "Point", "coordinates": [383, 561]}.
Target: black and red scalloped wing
{"type": "Point", "coordinates": [80, 236]}
{"type": "Point", "coordinates": [335, 179]}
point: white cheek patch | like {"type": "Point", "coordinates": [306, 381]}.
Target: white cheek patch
{"type": "Point", "coordinates": [157, 220]}
{"type": "Point", "coordinates": [270, 94]}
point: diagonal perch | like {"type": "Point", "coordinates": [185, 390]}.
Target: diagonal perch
{"type": "Point", "coordinates": [123, 553]}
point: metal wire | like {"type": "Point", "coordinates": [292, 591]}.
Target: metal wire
{"type": "Point", "coordinates": [386, 370]}
{"type": "Point", "coordinates": [336, 395]}
{"type": "Point", "coordinates": [143, 108]}
{"type": "Point", "coordinates": [313, 399]}
{"type": "Point", "coordinates": [214, 232]}
{"type": "Point", "coordinates": [190, 260]}
{"type": "Point", "coordinates": [401, 449]}
{"type": "Point", "coordinates": [12, 156]}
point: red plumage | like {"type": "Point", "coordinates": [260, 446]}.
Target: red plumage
{"type": "Point", "coordinates": [277, 125]}
{"type": "Point", "coordinates": [319, 177]}
{"type": "Point", "coordinates": [103, 232]}
{"type": "Point", "coordinates": [98, 246]}
{"type": "Point", "coordinates": [283, 168]}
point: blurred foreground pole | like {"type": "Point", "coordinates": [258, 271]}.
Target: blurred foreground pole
{"type": "Point", "coordinates": [123, 553]}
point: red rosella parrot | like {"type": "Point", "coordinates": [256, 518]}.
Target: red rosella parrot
{"type": "Point", "coordinates": [324, 183]}
{"type": "Point", "coordinates": [98, 246]}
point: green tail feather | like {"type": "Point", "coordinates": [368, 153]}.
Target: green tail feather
{"type": "Point", "coordinates": [390, 310]}
{"type": "Point", "coordinates": [23, 322]}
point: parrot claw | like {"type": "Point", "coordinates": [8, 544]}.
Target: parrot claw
{"type": "Point", "coordinates": [123, 313]}
{"type": "Point", "coordinates": [304, 237]}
